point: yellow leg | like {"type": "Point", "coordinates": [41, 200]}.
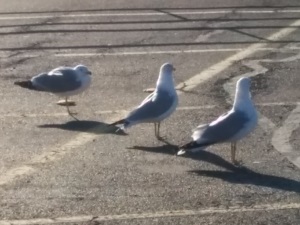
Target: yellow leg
{"type": "Point", "coordinates": [156, 130]}
{"type": "Point", "coordinates": [233, 151]}
{"type": "Point", "coordinates": [158, 127]}
{"type": "Point", "coordinates": [68, 109]}
{"type": "Point", "coordinates": [67, 105]}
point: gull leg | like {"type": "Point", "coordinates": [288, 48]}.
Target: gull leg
{"type": "Point", "coordinates": [157, 135]}
{"type": "Point", "coordinates": [233, 154]}
{"type": "Point", "coordinates": [233, 150]}
{"type": "Point", "coordinates": [158, 127]}
{"type": "Point", "coordinates": [69, 112]}
{"type": "Point", "coordinates": [156, 130]}
{"type": "Point", "coordinates": [68, 109]}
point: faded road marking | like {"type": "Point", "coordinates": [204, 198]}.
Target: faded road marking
{"type": "Point", "coordinates": [149, 52]}
{"type": "Point", "coordinates": [147, 14]}
{"type": "Point", "coordinates": [281, 137]}
{"type": "Point", "coordinates": [161, 214]}
{"type": "Point", "coordinates": [138, 53]}
{"type": "Point", "coordinates": [15, 172]}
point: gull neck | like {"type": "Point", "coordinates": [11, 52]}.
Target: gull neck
{"type": "Point", "coordinates": [165, 81]}
{"type": "Point", "coordinates": [242, 99]}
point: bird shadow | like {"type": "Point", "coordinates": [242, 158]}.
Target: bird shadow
{"type": "Point", "coordinates": [247, 176]}
{"type": "Point", "coordinates": [87, 126]}
{"type": "Point", "coordinates": [203, 155]}
{"type": "Point", "coordinates": [234, 174]}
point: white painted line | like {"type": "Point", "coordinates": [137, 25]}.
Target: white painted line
{"type": "Point", "coordinates": [196, 107]}
{"type": "Point", "coordinates": [289, 11]}
{"type": "Point", "coordinates": [14, 173]}
{"type": "Point", "coordinates": [137, 53]}
{"type": "Point", "coordinates": [161, 214]}
{"type": "Point", "coordinates": [156, 52]}
{"type": "Point", "coordinates": [281, 137]}
{"type": "Point", "coordinates": [32, 115]}
{"type": "Point", "coordinates": [143, 14]}
{"type": "Point", "coordinates": [123, 111]}
{"type": "Point", "coordinates": [130, 53]}
{"type": "Point", "coordinates": [278, 104]}
{"type": "Point", "coordinates": [150, 52]}
{"type": "Point", "coordinates": [146, 14]}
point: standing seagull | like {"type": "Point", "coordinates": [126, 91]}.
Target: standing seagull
{"type": "Point", "coordinates": [62, 81]}
{"type": "Point", "coordinates": [229, 127]}
{"type": "Point", "coordinates": [157, 106]}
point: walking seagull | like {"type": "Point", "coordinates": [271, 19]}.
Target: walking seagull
{"type": "Point", "coordinates": [157, 106]}
{"type": "Point", "coordinates": [62, 81]}
{"type": "Point", "coordinates": [229, 127]}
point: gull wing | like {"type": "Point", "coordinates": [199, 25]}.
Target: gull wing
{"type": "Point", "coordinates": [58, 80]}
{"type": "Point", "coordinates": [224, 128]}
{"type": "Point", "coordinates": [155, 105]}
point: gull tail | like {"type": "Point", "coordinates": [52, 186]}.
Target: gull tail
{"type": "Point", "coordinates": [119, 122]}
{"type": "Point", "coordinates": [190, 147]}
{"type": "Point", "coordinates": [122, 124]}
{"type": "Point", "coordinates": [25, 84]}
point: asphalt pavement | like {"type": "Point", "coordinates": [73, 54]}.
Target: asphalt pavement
{"type": "Point", "coordinates": [55, 170]}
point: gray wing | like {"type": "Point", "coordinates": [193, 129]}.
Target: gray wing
{"type": "Point", "coordinates": [60, 80]}
{"type": "Point", "coordinates": [223, 129]}
{"type": "Point", "coordinates": [152, 107]}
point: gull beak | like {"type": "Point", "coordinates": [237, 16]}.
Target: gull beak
{"type": "Point", "coordinates": [89, 72]}
{"type": "Point", "coordinates": [174, 69]}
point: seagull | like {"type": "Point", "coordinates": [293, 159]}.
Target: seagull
{"type": "Point", "coordinates": [62, 81]}
{"type": "Point", "coordinates": [229, 127]}
{"type": "Point", "coordinates": [157, 106]}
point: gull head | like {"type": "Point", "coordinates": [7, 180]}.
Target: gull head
{"type": "Point", "coordinates": [165, 78]}
{"type": "Point", "coordinates": [243, 84]}
{"type": "Point", "coordinates": [167, 68]}
{"type": "Point", "coordinates": [83, 70]}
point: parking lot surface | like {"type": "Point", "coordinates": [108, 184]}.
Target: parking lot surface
{"type": "Point", "coordinates": [57, 170]}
